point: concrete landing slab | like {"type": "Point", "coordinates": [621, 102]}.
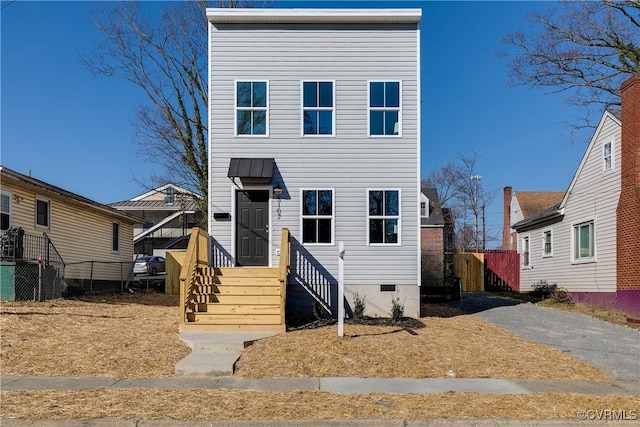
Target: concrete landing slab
{"type": "Point", "coordinates": [214, 364]}
{"type": "Point", "coordinates": [221, 341]}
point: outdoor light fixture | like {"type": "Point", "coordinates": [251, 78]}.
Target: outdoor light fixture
{"type": "Point", "coordinates": [277, 190]}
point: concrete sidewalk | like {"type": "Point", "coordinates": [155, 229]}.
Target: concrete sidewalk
{"type": "Point", "coordinates": [340, 385]}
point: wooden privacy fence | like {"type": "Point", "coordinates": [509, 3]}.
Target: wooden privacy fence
{"type": "Point", "coordinates": [490, 270]}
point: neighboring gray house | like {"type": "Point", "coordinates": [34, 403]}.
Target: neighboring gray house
{"type": "Point", "coordinates": [315, 126]}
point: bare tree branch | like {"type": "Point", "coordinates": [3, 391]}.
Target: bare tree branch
{"type": "Point", "coordinates": [586, 49]}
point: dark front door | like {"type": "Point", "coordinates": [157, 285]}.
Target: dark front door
{"type": "Point", "coordinates": [252, 227]}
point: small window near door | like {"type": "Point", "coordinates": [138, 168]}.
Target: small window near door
{"type": "Point", "coordinates": [115, 239]}
{"type": "Point", "coordinates": [43, 211]}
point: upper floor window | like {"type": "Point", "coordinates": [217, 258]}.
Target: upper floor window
{"type": "Point", "coordinates": [384, 216]}
{"type": "Point", "coordinates": [317, 216]}
{"type": "Point", "coordinates": [43, 211]}
{"type": "Point", "coordinates": [251, 108]}
{"type": "Point", "coordinates": [5, 211]}
{"type": "Point", "coordinates": [607, 156]}
{"type": "Point", "coordinates": [583, 241]}
{"type": "Point", "coordinates": [423, 209]}
{"type": "Point", "coordinates": [546, 243]}
{"type": "Point", "coordinates": [525, 251]}
{"type": "Point", "coordinates": [115, 236]}
{"type": "Point", "coordinates": [384, 108]}
{"type": "Point", "coordinates": [169, 196]}
{"type": "Point", "coordinates": [318, 108]}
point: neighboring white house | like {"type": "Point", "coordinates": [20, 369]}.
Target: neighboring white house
{"type": "Point", "coordinates": [573, 243]}
{"type": "Point", "coordinates": [315, 126]}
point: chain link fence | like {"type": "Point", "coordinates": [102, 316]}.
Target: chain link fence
{"type": "Point", "coordinates": [37, 281]}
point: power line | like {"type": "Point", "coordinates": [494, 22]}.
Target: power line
{"type": "Point", "coordinates": [8, 4]}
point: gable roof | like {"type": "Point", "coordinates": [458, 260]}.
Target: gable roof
{"type": "Point", "coordinates": [557, 211]}
{"type": "Point", "coordinates": [436, 218]}
{"type": "Point", "coordinates": [608, 114]}
{"type": "Point", "coordinates": [533, 202]}
{"type": "Point", "coordinates": [8, 174]}
{"type": "Point", "coordinates": [161, 190]}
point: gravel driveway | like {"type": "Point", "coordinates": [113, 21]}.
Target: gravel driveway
{"type": "Point", "coordinates": [613, 348]}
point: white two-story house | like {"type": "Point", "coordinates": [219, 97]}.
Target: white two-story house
{"type": "Point", "coordinates": [314, 126]}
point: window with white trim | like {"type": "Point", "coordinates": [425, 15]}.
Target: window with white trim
{"type": "Point", "coordinates": [583, 241]}
{"type": "Point", "coordinates": [252, 107]}
{"type": "Point", "coordinates": [547, 249]}
{"type": "Point", "coordinates": [607, 156]}
{"type": "Point", "coordinates": [317, 216]}
{"type": "Point", "coordinates": [5, 211]}
{"type": "Point", "coordinates": [383, 217]}
{"type": "Point", "coordinates": [115, 236]}
{"type": "Point", "coordinates": [43, 213]}
{"type": "Point", "coordinates": [384, 108]}
{"type": "Point", "coordinates": [318, 108]}
{"type": "Point", "coordinates": [525, 251]}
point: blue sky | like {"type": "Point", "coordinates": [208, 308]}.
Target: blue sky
{"type": "Point", "coordinates": [74, 130]}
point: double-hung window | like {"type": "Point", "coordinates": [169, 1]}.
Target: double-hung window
{"type": "Point", "coordinates": [5, 211]}
{"type": "Point", "coordinates": [525, 251]}
{"type": "Point", "coordinates": [43, 213]}
{"type": "Point", "coordinates": [318, 108]}
{"type": "Point", "coordinates": [583, 241]}
{"type": "Point", "coordinates": [384, 217]}
{"type": "Point", "coordinates": [547, 249]}
{"type": "Point", "coordinates": [385, 108]}
{"type": "Point", "coordinates": [607, 156]}
{"type": "Point", "coordinates": [115, 236]}
{"type": "Point", "coordinates": [252, 108]}
{"type": "Point", "coordinates": [317, 216]}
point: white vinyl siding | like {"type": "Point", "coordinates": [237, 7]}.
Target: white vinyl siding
{"type": "Point", "coordinates": [592, 196]}
{"type": "Point", "coordinates": [350, 55]}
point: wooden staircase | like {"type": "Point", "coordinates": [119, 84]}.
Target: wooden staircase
{"type": "Point", "coordinates": [239, 299]}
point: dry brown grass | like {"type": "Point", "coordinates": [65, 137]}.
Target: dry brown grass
{"type": "Point", "coordinates": [606, 314]}
{"type": "Point", "coordinates": [252, 405]}
{"type": "Point", "coordinates": [121, 336]}
{"type": "Point", "coordinates": [135, 336]}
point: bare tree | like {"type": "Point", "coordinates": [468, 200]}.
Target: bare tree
{"type": "Point", "coordinates": [166, 57]}
{"type": "Point", "coordinates": [460, 189]}
{"type": "Point", "coordinates": [584, 48]}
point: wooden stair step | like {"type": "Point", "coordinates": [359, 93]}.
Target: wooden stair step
{"type": "Point", "coordinates": [239, 308]}
{"type": "Point", "coordinates": [235, 319]}
{"type": "Point", "coordinates": [247, 272]}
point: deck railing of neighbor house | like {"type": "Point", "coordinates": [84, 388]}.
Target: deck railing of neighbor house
{"type": "Point", "coordinates": [197, 255]}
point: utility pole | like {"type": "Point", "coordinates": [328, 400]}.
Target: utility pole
{"type": "Point", "coordinates": [476, 179]}
{"type": "Point", "coordinates": [484, 230]}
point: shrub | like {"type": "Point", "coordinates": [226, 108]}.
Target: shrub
{"type": "Point", "coordinates": [397, 310]}
{"type": "Point", "coordinates": [359, 305]}
{"type": "Point", "coordinates": [562, 296]}
{"type": "Point", "coordinates": [541, 289]}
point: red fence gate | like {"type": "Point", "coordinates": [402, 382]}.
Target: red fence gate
{"type": "Point", "coordinates": [501, 271]}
